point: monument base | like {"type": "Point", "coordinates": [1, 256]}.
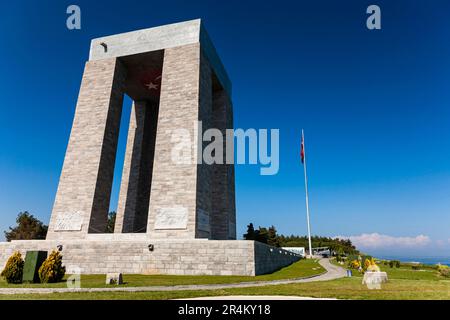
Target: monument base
{"type": "Point", "coordinates": [139, 254]}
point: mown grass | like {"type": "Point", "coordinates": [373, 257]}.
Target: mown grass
{"type": "Point", "coordinates": [345, 288]}
{"type": "Point", "coordinates": [404, 284]}
{"type": "Point", "coordinates": [404, 272]}
{"type": "Point", "coordinates": [300, 269]}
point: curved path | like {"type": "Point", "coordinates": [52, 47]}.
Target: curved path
{"type": "Point", "coordinates": [333, 272]}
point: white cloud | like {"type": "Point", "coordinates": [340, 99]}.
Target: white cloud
{"type": "Point", "coordinates": [376, 241]}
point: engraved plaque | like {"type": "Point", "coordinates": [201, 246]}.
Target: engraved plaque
{"type": "Point", "coordinates": [171, 218]}
{"type": "Point", "coordinates": [203, 220]}
{"type": "Point", "coordinates": [69, 221]}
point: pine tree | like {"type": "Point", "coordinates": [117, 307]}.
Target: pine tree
{"type": "Point", "coordinates": [262, 235]}
{"type": "Point", "coordinates": [28, 228]}
{"type": "Point", "coordinates": [251, 234]}
{"type": "Point", "coordinates": [111, 222]}
{"type": "Point", "coordinates": [272, 237]}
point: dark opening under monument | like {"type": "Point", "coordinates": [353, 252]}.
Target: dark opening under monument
{"type": "Point", "coordinates": [171, 218]}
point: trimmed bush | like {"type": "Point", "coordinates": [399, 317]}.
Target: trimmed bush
{"type": "Point", "coordinates": [354, 264]}
{"type": "Point", "coordinates": [14, 269]}
{"type": "Point", "coordinates": [367, 264]}
{"type": "Point", "coordinates": [52, 269]}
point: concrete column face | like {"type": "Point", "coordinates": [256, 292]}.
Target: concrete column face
{"type": "Point", "coordinates": [223, 217]}
{"type": "Point", "coordinates": [219, 214]}
{"type": "Point", "coordinates": [132, 211]}
{"type": "Point", "coordinates": [82, 199]}
{"type": "Point", "coordinates": [230, 180]}
{"type": "Point", "coordinates": [204, 171]}
{"type": "Point", "coordinates": [173, 197]}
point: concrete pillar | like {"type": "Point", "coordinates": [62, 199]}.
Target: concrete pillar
{"type": "Point", "coordinates": [84, 190]}
{"type": "Point", "coordinates": [186, 97]}
{"type": "Point", "coordinates": [132, 210]}
{"type": "Point", "coordinates": [223, 217]}
{"type": "Point", "coordinates": [230, 179]}
{"type": "Point", "coordinates": [204, 171]}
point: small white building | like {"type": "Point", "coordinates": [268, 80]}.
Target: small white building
{"type": "Point", "coordinates": [297, 250]}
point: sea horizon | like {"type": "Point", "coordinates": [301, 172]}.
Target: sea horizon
{"type": "Point", "coordinates": [430, 260]}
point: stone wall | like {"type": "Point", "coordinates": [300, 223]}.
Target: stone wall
{"type": "Point", "coordinates": [269, 259]}
{"type": "Point", "coordinates": [129, 254]}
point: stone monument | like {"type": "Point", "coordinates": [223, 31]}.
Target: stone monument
{"type": "Point", "coordinates": [171, 218]}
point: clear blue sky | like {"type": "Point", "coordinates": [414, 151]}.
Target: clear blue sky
{"type": "Point", "coordinates": [375, 106]}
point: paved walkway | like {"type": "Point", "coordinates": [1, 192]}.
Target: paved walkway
{"type": "Point", "coordinates": [333, 272]}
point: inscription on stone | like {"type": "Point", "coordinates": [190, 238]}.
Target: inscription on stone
{"type": "Point", "coordinates": [69, 221]}
{"type": "Point", "coordinates": [171, 218]}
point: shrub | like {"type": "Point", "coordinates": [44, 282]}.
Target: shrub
{"type": "Point", "coordinates": [415, 267]}
{"type": "Point", "coordinates": [354, 264]}
{"type": "Point", "coordinates": [370, 265]}
{"type": "Point", "coordinates": [52, 269]}
{"type": "Point", "coordinates": [444, 271]}
{"type": "Point", "coordinates": [367, 264]}
{"type": "Point", "coordinates": [394, 263]}
{"type": "Point", "coordinates": [14, 269]}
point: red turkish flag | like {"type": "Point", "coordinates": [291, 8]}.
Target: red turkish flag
{"type": "Point", "coordinates": [151, 81]}
{"type": "Point", "coordinates": [302, 150]}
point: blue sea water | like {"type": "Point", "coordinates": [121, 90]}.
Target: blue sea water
{"type": "Point", "coordinates": [424, 260]}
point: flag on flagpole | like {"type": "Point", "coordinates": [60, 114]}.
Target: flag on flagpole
{"type": "Point", "coordinates": [302, 151]}
{"type": "Point", "coordinates": [302, 155]}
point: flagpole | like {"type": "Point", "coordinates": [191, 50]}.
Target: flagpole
{"type": "Point", "coordinates": [306, 192]}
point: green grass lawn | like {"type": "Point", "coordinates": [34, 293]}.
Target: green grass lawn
{"type": "Point", "coordinates": [404, 283]}
{"type": "Point", "coordinates": [345, 288]}
{"type": "Point", "coordinates": [404, 272]}
{"type": "Point", "coordinates": [300, 269]}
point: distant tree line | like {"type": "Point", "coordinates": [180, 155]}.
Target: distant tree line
{"type": "Point", "coordinates": [271, 237]}
{"type": "Point", "coordinates": [264, 235]}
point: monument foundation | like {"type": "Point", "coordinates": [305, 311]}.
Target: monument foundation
{"type": "Point", "coordinates": [172, 218]}
{"type": "Point", "coordinates": [135, 254]}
